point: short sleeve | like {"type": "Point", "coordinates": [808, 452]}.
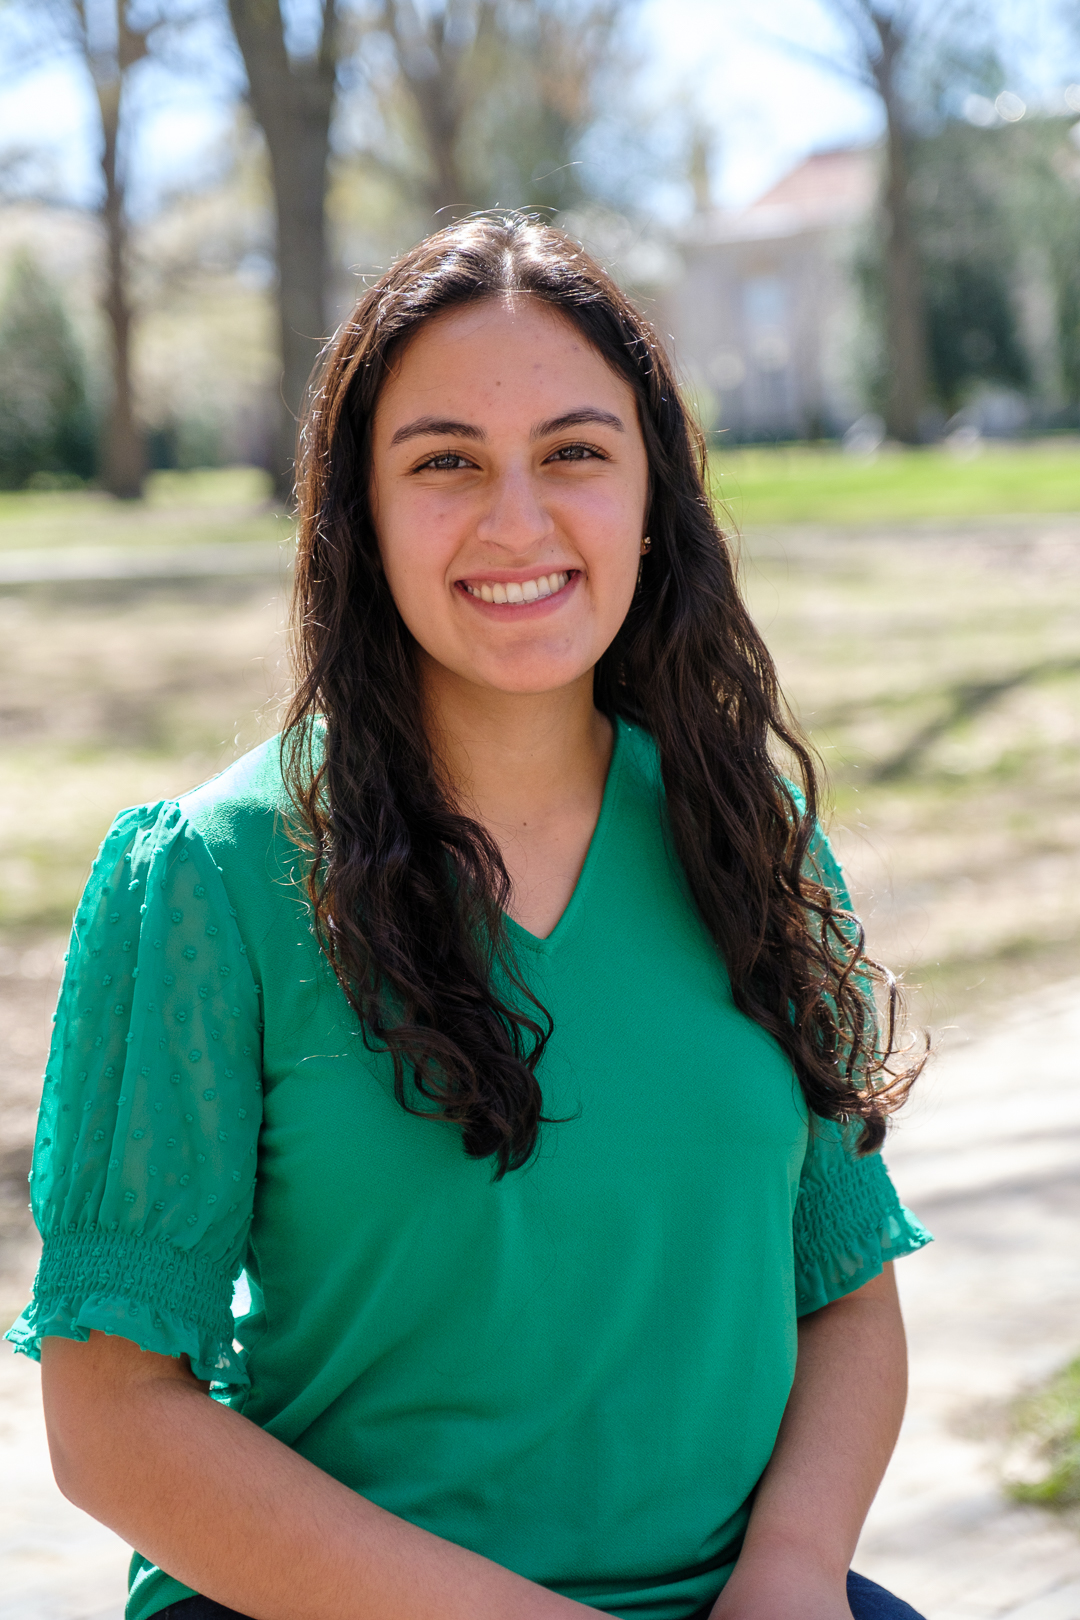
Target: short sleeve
{"type": "Point", "coordinates": [144, 1165]}
{"type": "Point", "coordinates": [848, 1219]}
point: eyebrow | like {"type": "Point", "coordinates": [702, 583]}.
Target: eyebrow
{"type": "Point", "coordinates": [439, 427]}
{"type": "Point", "coordinates": [442, 427]}
{"type": "Point", "coordinates": [588, 414]}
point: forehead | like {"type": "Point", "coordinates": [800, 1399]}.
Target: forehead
{"type": "Point", "coordinates": [484, 355]}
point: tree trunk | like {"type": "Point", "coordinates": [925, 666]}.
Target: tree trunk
{"type": "Point", "coordinates": [430, 55]}
{"type": "Point", "coordinates": [905, 316]}
{"type": "Point", "coordinates": [123, 459]}
{"type": "Point", "coordinates": [293, 102]}
{"type": "Point", "coordinates": [907, 393]}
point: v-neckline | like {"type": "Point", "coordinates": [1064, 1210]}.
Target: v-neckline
{"type": "Point", "coordinates": [545, 945]}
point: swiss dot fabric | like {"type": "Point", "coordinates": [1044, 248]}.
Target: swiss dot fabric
{"type": "Point", "coordinates": [144, 1166]}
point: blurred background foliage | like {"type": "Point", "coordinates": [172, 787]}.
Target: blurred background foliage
{"type": "Point", "coordinates": [998, 218]}
{"type": "Point", "coordinates": [46, 422]}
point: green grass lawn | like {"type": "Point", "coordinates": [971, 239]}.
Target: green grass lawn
{"type": "Point", "coordinates": [938, 675]}
{"type": "Point", "coordinates": [189, 508]}
{"type": "Point", "coordinates": [820, 484]}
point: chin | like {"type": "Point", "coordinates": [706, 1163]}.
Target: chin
{"type": "Point", "coordinates": [532, 678]}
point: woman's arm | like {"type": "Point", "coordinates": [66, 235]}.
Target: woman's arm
{"type": "Point", "coordinates": [835, 1441]}
{"type": "Point", "coordinates": [227, 1509]}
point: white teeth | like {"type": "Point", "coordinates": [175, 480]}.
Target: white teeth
{"type": "Point", "coordinates": [530, 590]}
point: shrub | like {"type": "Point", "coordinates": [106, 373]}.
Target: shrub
{"type": "Point", "coordinates": [46, 426]}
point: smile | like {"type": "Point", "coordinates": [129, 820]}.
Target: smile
{"type": "Point", "coordinates": [526, 590]}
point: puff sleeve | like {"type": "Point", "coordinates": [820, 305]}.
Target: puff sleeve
{"type": "Point", "coordinates": [144, 1165]}
{"type": "Point", "coordinates": [848, 1220]}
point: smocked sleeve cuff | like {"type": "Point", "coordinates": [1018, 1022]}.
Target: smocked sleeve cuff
{"type": "Point", "coordinates": [848, 1222]}
{"type": "Point", "coordinates": [829, 1275]}
{"type": "Point", "coordinates": [161, 1297]}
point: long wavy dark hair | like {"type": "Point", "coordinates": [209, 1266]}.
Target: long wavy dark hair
{"type": "Point", "coordinates": [408, 893]}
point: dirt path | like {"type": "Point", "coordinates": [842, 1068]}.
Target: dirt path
{"type": "Point", "coordinates": [55, 1563]}
{"type": "Point", "coordinates": [989, 1156]}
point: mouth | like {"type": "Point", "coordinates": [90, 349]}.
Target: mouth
{"type": "Point", "coordinates": [515, 593]}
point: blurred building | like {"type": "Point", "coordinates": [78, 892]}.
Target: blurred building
{"type": "Point", "coordinates": [764, 313]}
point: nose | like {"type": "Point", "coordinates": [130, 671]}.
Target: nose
{"type": "Point", "coordinates": [515, 519]}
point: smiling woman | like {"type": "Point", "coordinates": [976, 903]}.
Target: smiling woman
{"type": "Point", "coordinates": [481, 507]}
{"type": "Point", "coordinates": [505, 1020]}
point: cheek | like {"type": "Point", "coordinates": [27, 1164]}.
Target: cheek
{"type": "Point", "coordinates": [612, 512]}
{"type": "Point", "coordinates": [611, 537]}
{"type": "Point", "coordinates": [416, 548]}
{"type": "Point", "coordinates": [418, 590]}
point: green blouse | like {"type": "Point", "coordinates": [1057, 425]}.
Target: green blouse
{"type": "Point", "coordinates": [579, 1370]}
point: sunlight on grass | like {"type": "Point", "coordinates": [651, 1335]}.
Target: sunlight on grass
{"type": "Point", "coordinates": [809, 484]}
{"type": "Point", "coordinates": [180, 509]}
{"type": "Point", "coordinates": [219, 487]}
{"type": "Point", "coordinates": [939, 679]}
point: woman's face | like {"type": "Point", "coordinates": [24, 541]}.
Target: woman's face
{"type": "Point", "coordinates": [509, 485]}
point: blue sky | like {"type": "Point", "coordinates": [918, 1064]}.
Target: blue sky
{"type": "Point", "coordinates": [767, 105]}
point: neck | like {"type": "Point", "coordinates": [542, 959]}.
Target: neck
{"type": "Point", "coordinates": [515, 758]}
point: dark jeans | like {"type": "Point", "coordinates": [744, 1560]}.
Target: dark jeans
{"type": "Point", "coordinates": [866, 1599]}
{"type": "Point", "coordinates": [868, 1602]}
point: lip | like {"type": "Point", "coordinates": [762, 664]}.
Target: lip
{"type": "Point", "coordinates": [515, 611]}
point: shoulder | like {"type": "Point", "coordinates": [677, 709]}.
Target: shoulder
{"type": "Point", "coordinates": [243, 820]}
{"type": "Point", "coordinates": [242, 802]}
{"type": "Point", "coordinates": [233, 828]}
{"type": "Point", "coordinates": [244, 799]}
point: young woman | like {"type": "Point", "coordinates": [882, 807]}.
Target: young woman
{"type": "Point", "coordinates": [505, 1021]}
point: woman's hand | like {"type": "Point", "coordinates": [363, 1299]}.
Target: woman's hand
{"type": "Point", "coordinates": [839, 1429]}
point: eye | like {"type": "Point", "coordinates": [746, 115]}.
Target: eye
{"type": "Point", "coordinates": [445, 461]}
{"type": "Point", "coordinates": [577, 452]}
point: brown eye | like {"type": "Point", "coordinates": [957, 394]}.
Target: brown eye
{"type": "Point", "coordinates": [447, 461]}
{"type": "Point", "coordinates": [576, 452]}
